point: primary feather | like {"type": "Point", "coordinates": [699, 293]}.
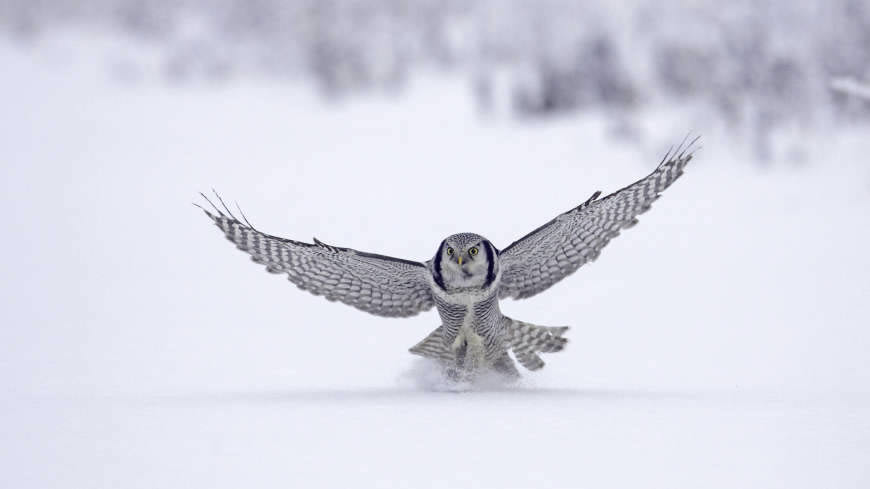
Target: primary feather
{"type": "Point", "coordinates": [378, 284]}
{"type": "Point", "coordinates": [557, 249]}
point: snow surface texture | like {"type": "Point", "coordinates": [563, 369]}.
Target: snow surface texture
{"type": "Point", "coordinates": [720, 343]}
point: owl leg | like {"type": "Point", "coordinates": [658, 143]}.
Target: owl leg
{"type": "Point", "coordinates": [463, 366]}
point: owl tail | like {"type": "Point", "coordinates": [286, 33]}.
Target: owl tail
{"type": "Point", "coordinates": [527, 340]}
{"type": "Point", "coordinates": [433, 346]}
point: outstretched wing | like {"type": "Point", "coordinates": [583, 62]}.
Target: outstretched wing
{"type": "Point", "coordinates": [377, 284]}
{"type": "Point", "coordinates": [557, 249]}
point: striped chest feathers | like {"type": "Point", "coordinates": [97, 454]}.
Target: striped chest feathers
{"type": "Point", "coordinates": [477, 312]}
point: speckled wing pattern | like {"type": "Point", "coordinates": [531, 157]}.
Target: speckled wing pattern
{"type": "Point", "coordinates": [557, 249]}
{"type": "Point", "coordinates": [381, 285]}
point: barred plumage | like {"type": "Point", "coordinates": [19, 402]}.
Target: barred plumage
{"type": "Point", "coordinates": [377, 284]}
{"type": "Point", "coordinates": [527, 340]}
{"type": "Point", "coordinates": [557, 249]}
{"type": "Point", "coordinates": [466, 277]}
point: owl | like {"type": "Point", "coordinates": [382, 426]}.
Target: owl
{"type": "Point", "coordinates": [466, 278]}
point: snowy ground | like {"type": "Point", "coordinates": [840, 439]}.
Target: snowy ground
{"type": "Point", "coordinates": [721, 343]}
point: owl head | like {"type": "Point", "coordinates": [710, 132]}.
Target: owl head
{"type": "Point", "coordinates": [465, 260]}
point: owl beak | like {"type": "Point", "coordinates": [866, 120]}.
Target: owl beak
{"type": "Point", "coordinates": [460, 261]}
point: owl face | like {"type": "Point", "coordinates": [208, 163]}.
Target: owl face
{"type": "Point", "coordinates": [464, 261]}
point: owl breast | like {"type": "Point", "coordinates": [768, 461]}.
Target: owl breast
{"type": "Point", "coordinates": [474, 328]}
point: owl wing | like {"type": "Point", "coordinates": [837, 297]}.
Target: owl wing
{"type": "Point", "coordinates": [557, 249]}
{"type": "Point", "coordinates": [377, 284]}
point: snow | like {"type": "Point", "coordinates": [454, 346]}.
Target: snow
{"type": "Point", "coordinates": [720, 343]}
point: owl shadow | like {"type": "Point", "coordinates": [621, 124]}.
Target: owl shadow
{"type": "Point", "coordinates": [424, 380]}
{"type": "Point", "coordinates": [404, 394]}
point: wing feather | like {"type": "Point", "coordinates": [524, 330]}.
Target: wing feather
{"type": "Point", "coordinates": [378, 284]}
{"type": "Point", "coordinates": [558, 248]}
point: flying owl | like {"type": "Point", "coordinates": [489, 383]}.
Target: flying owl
{"type": "Point", "coordinates": [467, 276]}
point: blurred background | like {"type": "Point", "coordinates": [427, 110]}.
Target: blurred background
{"type": "Point", "coordinates": [757, 68]}
{"type": "Point", "coordinates": [722, 342]}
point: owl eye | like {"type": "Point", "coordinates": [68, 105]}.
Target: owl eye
{"type": "Point", "coordinates": [472, 251]}
{"type": "Point", "coordinates": [449, 250]}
